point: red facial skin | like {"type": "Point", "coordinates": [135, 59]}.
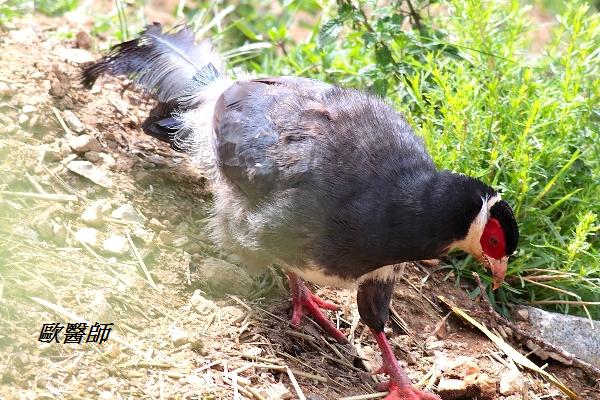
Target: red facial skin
{"type": "Point", "coordinates": [493, 241]}
{"type": "Point", "coordinates": [493, 244]}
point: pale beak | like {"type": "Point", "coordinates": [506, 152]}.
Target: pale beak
{"type": "Point", "coordinates": [498, 268]}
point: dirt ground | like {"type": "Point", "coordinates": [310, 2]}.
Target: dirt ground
{"type": "Point", "coordinates": [176, 334]}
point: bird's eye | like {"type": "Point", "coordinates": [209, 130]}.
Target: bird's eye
{"type": "Point", "coordinates": [494, 241]}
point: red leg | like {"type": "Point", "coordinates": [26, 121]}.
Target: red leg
{"type": "Point", "coordinates": [399, 385]}
{"type": "Point", "coordinates": [303, 300]}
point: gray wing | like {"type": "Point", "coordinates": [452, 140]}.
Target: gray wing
{"type": "Point", "coordinates": [265, 130]}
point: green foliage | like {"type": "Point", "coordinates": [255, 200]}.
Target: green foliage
{"type": "Point", "coordinates": [55, 7]}
{"type": "Point", "coordinates": [10, 9]}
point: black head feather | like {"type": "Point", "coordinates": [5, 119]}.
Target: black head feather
{"type": "Point", "coordinates": [504, 214]}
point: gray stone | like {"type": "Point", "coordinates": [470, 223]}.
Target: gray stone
{"type": "Point", "coordinates": [179, 337]}
{"type": "Point", "coordinates": [7, 90]}
{"type": "Point", "coordinates": [116, 244]}
{"type": "Point", "coordinates": [72, 121]}
{"type": "Point", "coordinates": [23, 119]}
{"type": "Point", "coordinates": [92, 156]}
{"type": "Point", "coordinates": [166, 238]}
{"type": "Point", "coordinates": [513, 382]}
{"type": "Point", "coordinates": [156, 225]}
{"type": "Point", "coordinates": [76, 56]}
{"type": "Point", "coordinates": [223, 277]}
{"type": "Point", "coordinates": [143, 235]}
{"type": "Point", "coordinates": [88, 236]}
{"type": "Point", "coordinates": [28, 109]}
{"type": "Point", "coordinates": [84, 143]}
{"type": "Point", "coordinates": [572, 334]}
{"type": "Point", "coordinates": [94, 214]}
{"type": "Point", "coordinates": [128, 213]}
{"type": "Point", "coordinates": [91, 172]}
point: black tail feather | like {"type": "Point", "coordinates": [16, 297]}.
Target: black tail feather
{"type": "Point", "coordinates": [165, 65]}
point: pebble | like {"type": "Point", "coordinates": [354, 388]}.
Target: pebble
{"type": "Point", "coordinates": [181, 241]}
{"type": "Point", "coordinates": [84, 143]}
{"type": "Point", "coordinates": [88, 236]}
{"type": "Point", "coordinates": [143, 235]}
{"type": "Point", "coordinates": [201, 304]}
{"type": "Point", "coordinates": [166, 238]}
{"type": "Point", "coordinates": [28, 109]}
{"type": "Point", "coordinates": [76, 56]}
{"type": "Point", "coordinates": [512, 382]}
{"type": "Point", "coordinates": [128, 213]}
{"type": "Point", "coordinates": [73, 121]}
{"type": "Point", "coordinates": [106, 160]}
{"type": "Point", "coordinates": [222, 276]}
{"type": "Point", "coordinates": [83, 40]}
{"type": "Point", "coordinates": [52, 230]}
{"type": "Point", "coordinates": [156, 225]}
{"type": "Point", "coordinates": [93, 214]}
{"type": "Point", "coordinates": [23, 119]}
{"type": "Point", "coordinates": [116, 244]}
{"type": "Point", "coordinates": [6, 90]}
{"type": "Point", "coordinates": [179, 337]}
{"type": "Point", "coordinates": [92, 156]}
{"type": "Point", "coordinates": [89, 171]}
{"type": "Point", "coordinates": [276, 391]}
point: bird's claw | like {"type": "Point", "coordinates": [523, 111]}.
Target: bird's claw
{"type": "Point", "coordinates": [304, 301]}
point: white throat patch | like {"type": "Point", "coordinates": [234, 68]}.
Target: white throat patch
{"type": "Point", "coordinates": [471, 243]}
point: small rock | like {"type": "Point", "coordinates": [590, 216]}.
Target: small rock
{"type": "Point", "coordinates": [100, 308]}
{"type": "Point", "coordinates": [450, 389]}
{"type": "Point", "coordinates": [522, 314]}
{"type": "Point", "coordinates": [156, 225]}
{"type": "Point", "coordinates": [73, 121]}
{"type": "Point", "coordinates": [23, 119]}
{"type": "Point", "coordinates": [52, 230]}
{"type": "Point", "coordinates": [76, 56]}
{"type": "Point", "coordinates": [201, 304]}
{"type": "Point", "coordinates": [6, 90]}
{"type": "Point", "coordinates": [65, 150]}
{"type": "Point", "coordinates": [28, 109]}
{"type": "Point", "coordinates": [88, 236]}
{"type": "Point", "coordinates": [84, 143]}
{"type": "Point", "coordinates": [83, 40]}
{"type": "Point", "coordinates": [89, 171]}
{"type": "Point", "coordinates": [512, 382]}
{"type": "Point", "coordinates": [143, 235]}
{"type": "Point", "coordinates": [106, 160]}
{"type": "Point", "coordinates": [276, 391]}
{"type": "Point", "coordinates": [181, 241]}
{"type": "Point", "coordinates": [222, 276]}
{"type": "Point", "coordinates": [179, 337]}
{"type": "Point", "coordinates": [58, 88]}
{"type": "Point", "coordinates": [93, 214]}
{"type": "Point", "coordinates": [197, 346]}
{"type": "Point", "coordinates": [116, 244]}
{"type": "Point", "coordinates": [431, 343]}
{"type": "Point", "coordinates": [166, 238]}
{"type": "Point", "coordinates": [92, 156]}
{"type": "Point", "coordinates": [53, 154]}
{"type": "Point", "coordinates": [127, 212]}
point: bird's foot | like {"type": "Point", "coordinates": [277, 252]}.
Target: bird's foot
{"type": "Point", "coordinates": [403, 392]}
{"type": "Point", "coordinates": [399, 385]}
{"type": "Point", "coordinates": [304, 301]}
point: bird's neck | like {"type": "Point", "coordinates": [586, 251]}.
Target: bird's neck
{"type": "Point", "coordinates": [423, 221]}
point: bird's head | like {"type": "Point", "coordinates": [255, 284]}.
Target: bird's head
{"type": "Point", "coordinates": [492, 237]}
